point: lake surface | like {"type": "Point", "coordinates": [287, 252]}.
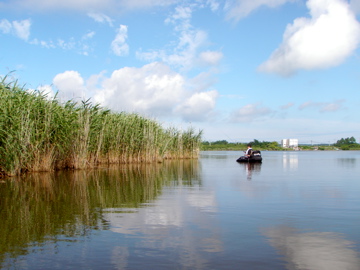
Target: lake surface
{"type": "Point", "coordinates": [296, 210]}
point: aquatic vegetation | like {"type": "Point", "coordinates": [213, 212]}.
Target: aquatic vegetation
{"type": "Point", "coordinates": [39, 133]}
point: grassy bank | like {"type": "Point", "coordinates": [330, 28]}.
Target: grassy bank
{"type": "Point", "coordinates": [42, 134]}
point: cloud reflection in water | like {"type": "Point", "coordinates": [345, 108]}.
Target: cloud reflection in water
{"type": "Point", "coordinates": [313, 250]}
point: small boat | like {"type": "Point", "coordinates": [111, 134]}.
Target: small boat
{"type": "Point", "coordinates": [255, 157]}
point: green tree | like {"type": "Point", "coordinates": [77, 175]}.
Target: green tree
{"type": "Point", "coordinates": [346, 141]}
{"type": "Point", "coordinates": [220, 142]}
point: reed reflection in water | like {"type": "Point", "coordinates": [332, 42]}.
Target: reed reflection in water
{"type": "Point", "coordinates": [61, 207]}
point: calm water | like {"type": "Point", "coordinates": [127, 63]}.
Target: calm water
{"type": "Point", "coordinates": [296, 210]}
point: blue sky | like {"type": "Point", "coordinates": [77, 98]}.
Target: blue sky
{"type": "Point", "coordinates": [237, 69]}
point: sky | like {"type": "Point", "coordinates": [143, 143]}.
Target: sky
{"type": "Point", "coordinates": [238, 70]}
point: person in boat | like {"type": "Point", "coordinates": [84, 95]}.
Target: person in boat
{"type": "Point", "coordinates": [249, 150]}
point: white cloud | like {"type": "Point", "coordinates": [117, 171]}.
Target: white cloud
{"type": "Point", "coordinates": [154, 90]}
{"type": "Point", "coordinates": [101, 18]}
{"type": "Point", "coordinates": [210, 58]}
{"type": "Point", "coordinates": [119, 45]}
{"type": "Point", "coordinates": [287, 106]}
{"type": "Point", "coordinates": [21, 29]}
{"type": "Point", "coordinates": [214, 5]}
{"type": "Point", "coordinates": [322, 41]}
{"type": "Point", "coordinates": [5, 26]}
{"type": "Point", "coordinates": [355, 6]}
{"type": "Point", "coordinates": [43, 43]}
{"type": "Point", "coordinates": [85, 5]}
{"type": "Point", "coordinates": [332, 107]}
{"type": "Point", "coordinates": [70, 85]}
{"type": "Point", "coordinates": [80, 46]}
{"type": "Point", "coordinates": [249, 113]}
{"type": "Point", "coordinates": [136, 4]}
{"type": "Point", "coordinates": [323, 106]}
{"type": "Point", "coordinates": [187, 52]}
{"type": "Point", "coordinates": [238, 9]}
{"type": "Point", "coordinates": [47, 90]}
{"type": "Point", "coordinates": [66, 45]}
{"type": "Point", "coordinates": [181, 13]}
{"type": "Point", "coordinates": [308, 104]}
{"type": "Point", "coordinates": [88, 35]}
{"type": "Point", "coordinates": [198, 107]}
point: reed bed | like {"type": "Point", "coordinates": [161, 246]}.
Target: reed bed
{"type": "Point", "coordinates": [38, 133]}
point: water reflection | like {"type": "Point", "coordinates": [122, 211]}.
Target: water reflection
{"type": "Point", "coordinates": [347, 162]}
{"type": "Point", "coordinates": [313, 250]}
{"type": "Point", "coordinates": [164, 228]}
{"type": "Point", "coordinates": [214, 155]}
{"type": "Point", "coordinates": [290, 161]}
{"type": "Point", "coordinates": [65, 205]}
{"type": "Point", "coordinates": [186, 215]}
{"type": "Point", "coordinates": [162, 232]}
{"type": "Point", "coordinates": [250, 169]}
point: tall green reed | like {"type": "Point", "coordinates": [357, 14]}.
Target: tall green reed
{"type": "Point", "coordinates": [39, 133]}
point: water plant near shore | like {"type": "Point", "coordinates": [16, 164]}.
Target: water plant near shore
{"type": "Point", "coordinates": [38, 133]}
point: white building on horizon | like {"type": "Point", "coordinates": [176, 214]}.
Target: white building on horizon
{"type": "Point", "coordinates": [289, 143]}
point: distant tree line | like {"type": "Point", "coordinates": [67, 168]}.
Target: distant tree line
{"type": "Point", "coordinates": [225, 145]}
{"type": "Point", "coordinates": [347, 144]}
{"type": "Point", "coordinates": [265, 144]}
{"type": "Point", "coordinates": [343, 144]}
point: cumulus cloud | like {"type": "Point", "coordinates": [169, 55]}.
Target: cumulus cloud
{"type": "Point", "coordinates": [154, 90]}
{"type": "Point", "coordinates": [198, 107]}
{"type": "Point", "coordinates": [119, 45]}
{"type": "Point", "coordinates": [322, 41]}
{"type": "Point", "coordinates": [238, 9]}
{"type": "Point", "coordinates": [46, 90]}
{"type": "Point", "coordinates": [323, 106]}
{"type": "Point", "coordinates": [249, 113]}
{"type": "Point", "coordinates": [20, 29]}
{"type": "Point", "coordinates": [70, 85]}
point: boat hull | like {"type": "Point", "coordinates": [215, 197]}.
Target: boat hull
{"type": "Point", "coordinates": [254, 158]}
{"type": "Point", "coordinates": [249, 160]}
